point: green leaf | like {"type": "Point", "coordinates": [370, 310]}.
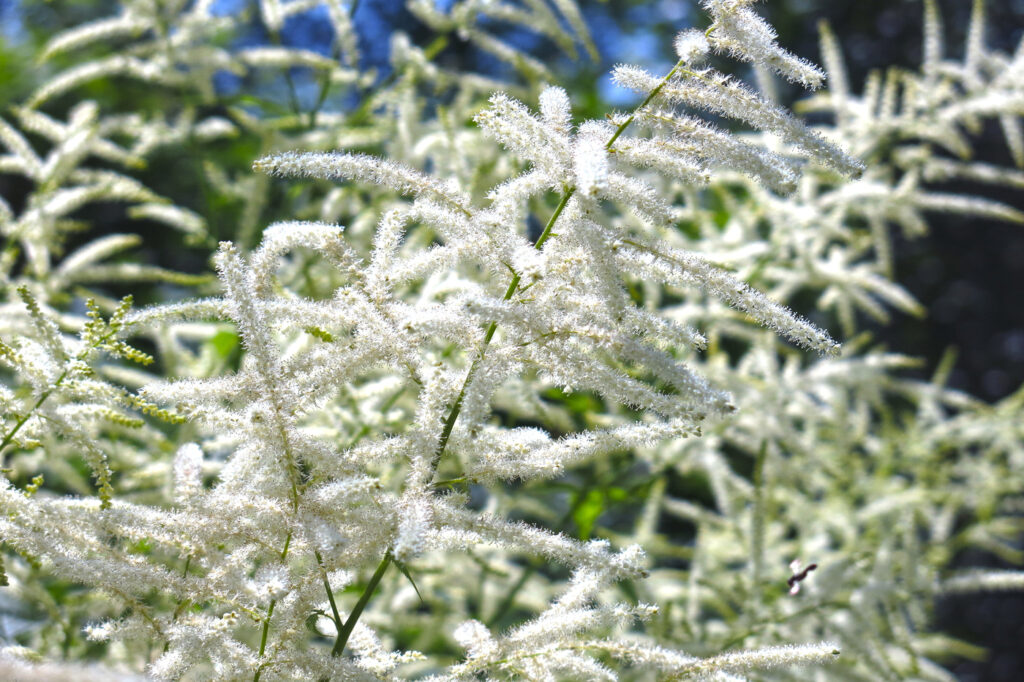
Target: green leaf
{"type": "Point", "coordinates": [224, 343]}
{"type": "Point", "coordinates": [587, 512]}
{"type": "Point", "coordinates": [405, 571]}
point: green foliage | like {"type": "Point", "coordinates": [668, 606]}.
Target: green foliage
{"type": "Point", "coordinates": [546, 369]}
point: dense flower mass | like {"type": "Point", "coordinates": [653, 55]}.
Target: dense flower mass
{"type": "Point", "coordinates": [470, 365]}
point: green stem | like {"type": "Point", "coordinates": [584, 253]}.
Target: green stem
{"type": "Point", "coordinates": [25, 417]}
{"type": "Point", "coordinates": [10, 244]}
{"type": "Point", "coordinates": [510, 598]}
{"type": "Point", "coordinates": [513, 286]}
{"type": "Point", "coordinates": [327, 587]}
{"type": "Point", "coordinates": [293, 97]}
{"type": "Point", "coordinates": [321, 97]}
{"type": "Point", "coordinates": [346, 630]}
{"type": "Point", "coordinates": [429, 52]}
{"type": "Point", "coordinates": [435, 46]}
{"type": "Point", "coordinates": [270, 613]}
{"type": "Point", "coordinates": [449, 424]}
{"type": "Point", "coordinates": [364, 430]}
{"type": "Point", "coordinates": [325, 78]}
{"type": "Point", "coordinates": [647, 100]}
{"type": "Point", "coordinates": [569, 191]}
{"type": "Point", "coordinates": [42, 399]}
{"type": "Point", "coordinates": [263, 638]}
{"type": "Point", "coordinates": [181, 602]}
{"type": "Point", "coordinates": [451, 482]}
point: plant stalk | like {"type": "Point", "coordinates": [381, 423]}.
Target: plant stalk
{"type": "Point", "coordinates": [453, 415]}
{"type": "Point", "coordinates": [357, 610]}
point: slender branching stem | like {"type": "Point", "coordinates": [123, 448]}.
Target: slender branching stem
{"type": "Point", "coordinates": [365, 429]}
{"type": "Point", "coordinates": [346, 630]}
{"type": "Point", "coordinates": [270, 613]}
{"type": "Point", "coordinates": [456, 409]}
{"type": "Point", "coordinates": [293, 96]}
{"type": "Point", "coordinates": [25, 417]}
{"type": "Point", "coordinates": [263, 639]}
{"type": "Point", "coordinates": [182, 603]}
{"type": "Point", "coordinates": [647, 100]}
{"type": "Point", "coordinates": [327, 587]}
{"type": "Point", "coordinates": [48, 392]}
{"type": "Point", "coordinates": [513, 286]}
{"type": "Point", "coordinates": [293, 478]}
{"type": "Point", "coordinates": [319, 559]}
{"type": "Point", "coordinates": [324, 88]}
{"type": "Point", "coordinates": [510, 597]}
{"type": "Point", "coordinates": [325, 78]}
{"type": "Point", "coordinates": [429, 52]}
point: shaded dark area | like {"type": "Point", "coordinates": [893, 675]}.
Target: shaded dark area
{"type": "Point", "coordinates": [993, 621]}
{"type": "Point", "coordinates": [968, 273]}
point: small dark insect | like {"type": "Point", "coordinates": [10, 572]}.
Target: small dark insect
{"type": "Point", "coordinates": [798, 575]}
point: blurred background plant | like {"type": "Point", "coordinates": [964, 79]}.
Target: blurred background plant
{"type": "Point", "coordinates": [172, 139]}
{"type": "Point", "coordinates": [968, 283]}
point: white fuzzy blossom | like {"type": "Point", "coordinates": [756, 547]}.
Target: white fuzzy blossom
{"type": "Point", "coordinates": [590, 160]}
{"type": "Point", "coordinates": [744, 35]}
{"type": "Point", "coordinates": [983, 581]}
{"type": "Point", "coordinates": [555, 109]}
{"type": "Point", "coordinates": [691, 45]}
{"type": "Point", "coordinates": [188, 472]}
{"type": "Point", "coordinates": [413, 525]}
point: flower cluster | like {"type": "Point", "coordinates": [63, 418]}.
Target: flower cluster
{"type": "Point", "coordinates": [438, 418]}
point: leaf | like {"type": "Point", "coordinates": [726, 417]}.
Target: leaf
{"type": "Point", "coordinates": [587, 512]}
{"type": "Point", "coordinates": [405, 571]}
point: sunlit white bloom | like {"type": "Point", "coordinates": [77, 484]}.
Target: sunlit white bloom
{"type": "Point", "coordinates": [188, 472]}
{"type": "Point", "coordinates": [691, 45]}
